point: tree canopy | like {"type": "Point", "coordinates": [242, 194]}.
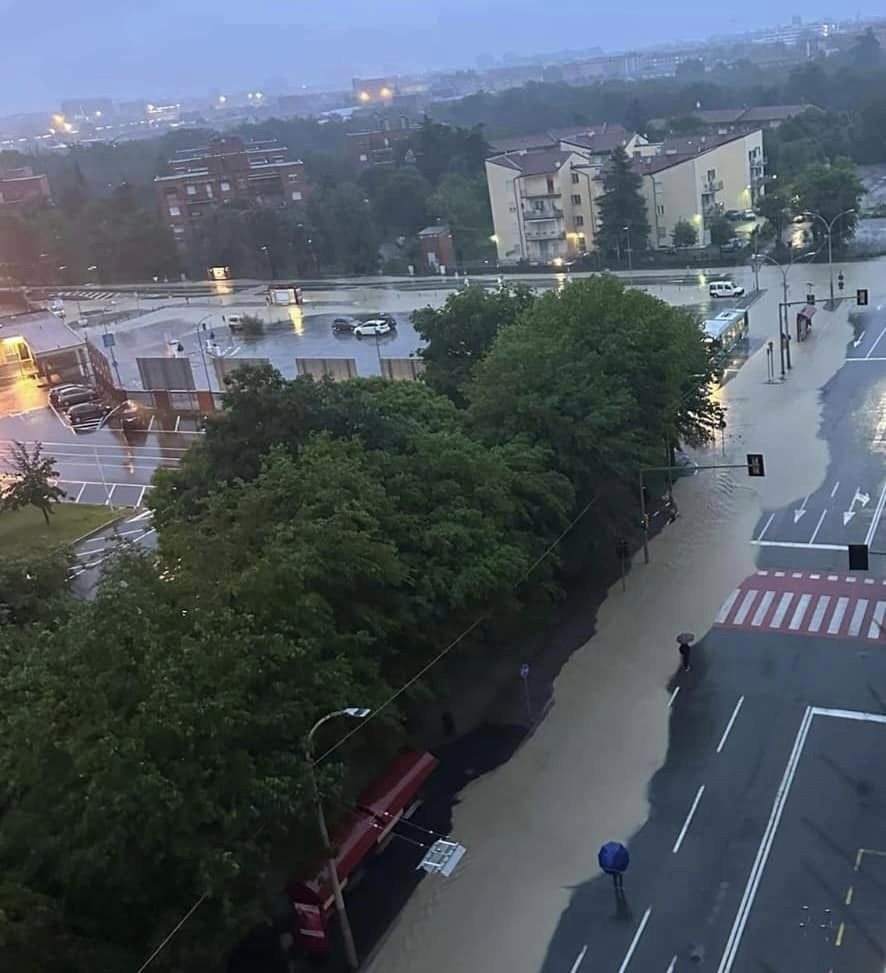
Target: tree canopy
{"type": "Point", "coordinates": [624, 222]}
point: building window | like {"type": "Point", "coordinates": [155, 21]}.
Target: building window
{"type": "Point", "coordinates": [191, 190]}
{"type": "Point", "coordinates": [363, 157]}
{"type": "Point", "coordinates": [209, 190]}
{"type": "Point", "coordinates": [576, 200]}
{"type": "Point", "coordinates": [550, 183]}
{"type": "Point", "coordinates": [712, 175]}
{"type": "Point", "coordinates": [296, 194]}
{"type": "Point", "coordinates": [293, 176]}
{"type": "Point", "coordinates": [174, 211]}
{"type": "Point", "coordinates": [178, 230]}
{"type": "Point", "coordinates": [575, 179]}
{"type": "Point", "coordinates": [638, 154]}
{"type": "Point", "coordinates": [660, 209]}
{"type": "Point", "coordinates": [579, 220]}
{"type": "Point", "coordinates": [225, 187]}
{"type": "Point", "coordinates": [539, 206]}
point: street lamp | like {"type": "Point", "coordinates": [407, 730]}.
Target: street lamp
{"type": "Point", "coordinates": [783, 333]}
{"type": "Point", "coordinates": [829, 227]}
{"type": "Point", "coordinates": [627, 230]}
{"type": "Point", "coordinates": [357, 713]}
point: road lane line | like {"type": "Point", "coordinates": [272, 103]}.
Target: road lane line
{"type": "Point", "coordinates": [673, 697]}
{"type": "Point", "coordinates": [818, 525]}
{"type": "Point", "coordinates": [804, 545]}
{"type": "Point", "coordinates": [762, 608]}
{"type": "Point", "coordinates": [577, 962]}
{"type": "Point", "coordinates": [821, 606]}
{"type": "Point", "coordinates": [726, 607]}
{"type": "Point", "coordinates": [688, 820]}
{"type": "Point", "coordinates": [861, 606]}
{"type": "Point", "coordinates": [728, 729]}
{"type": "Point", "coordinates": [837, 617]}
{"type": "Point", "coordinates": [878, 513]}
{"type": "Point", "coordinates": [834, 491]}
{"type": "Point", "coordinates": [142, 515]}
{"type": "Point", "coordinates": [766, 527]}
{"type": "Point", "coordinates": [671, 965]}
{"type": "Point", "coordinates": [635, 940]}
{"type": "Point", "coordinates": [750, 892]}
{"type": "Point", "coordinates": [799, 612]}
{"type": "Point", "coordinates": [782, 609]}
{"type": "Point", "coordinates": [874, 345]}
{"type": "Point", "coordinates": [745, 606]}
{"type": "Point", "coordinates": [876, 626]}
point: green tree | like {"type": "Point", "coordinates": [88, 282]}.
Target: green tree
{"type": "Point", "coordinates": [866, 54]}
{"type": "Point", "coordinates": [774, 208]}
{"type": "Point", "coordinates": [462, 202]}
{"type": "Point", "coordinates": [720, 229]}
{"type": "Point", "coordinates": [459, 334]}
{"type": "Point", "coordinates": [622, 205]}
{"type": "Point", "coordinates": [828, 191]}
{"type": "Point", "coordinates": [33, 587]}
{"type": "Point", "coordinates": [684, 234]}
{"type": "Point", "coordinates": [399, 200]}
{"type": "Point", "coordinates": [33, 480]}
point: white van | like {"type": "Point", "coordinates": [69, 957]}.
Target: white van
{"type": "Point", "coordinates": [725, 288]}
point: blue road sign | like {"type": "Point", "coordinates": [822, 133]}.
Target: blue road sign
{"type": "Point", "coordinates": [108, 340]}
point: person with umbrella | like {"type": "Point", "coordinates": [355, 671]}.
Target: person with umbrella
{"type": "Point", "coordinates": [684, 646]}
{"type": "Point", "coordinates": [613, 858]}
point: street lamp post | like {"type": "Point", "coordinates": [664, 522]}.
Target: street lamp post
{"type": "Point", "coordinates": [783, 329]}
{"type": "Point", "coordinates": [829, 228]}
{"type": "Point", "coordinates": [202, 324]}
{"type": "Point", "coordinates": [357, 713]}
{"type": "Point", "coordinates": [627, 230]}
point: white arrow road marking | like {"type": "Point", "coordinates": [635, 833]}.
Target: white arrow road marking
{"type": "Point", "coordinates": [798, 513]}
{"type": "Point", "coordinates": [858, 340]}
{"type": "Point", "coordinates": [862, 498]}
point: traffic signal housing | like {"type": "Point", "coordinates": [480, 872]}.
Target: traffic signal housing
{"type": "Point", "coordinates": [858, 557]}
{"type": "Point", "coordinates": [861, 297]}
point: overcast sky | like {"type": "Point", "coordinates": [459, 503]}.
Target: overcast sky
{"type": "Point", "coordinates": [157, 48]}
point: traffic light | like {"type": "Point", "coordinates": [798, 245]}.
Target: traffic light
{"type": "Point", "coordinates": [840, 281]}
{"type": "Point", "coordinates": [755, 464]}
{"type": "Point", "coordinates": [810, 298]}
{"type": "Point", "coordinates": [861, 296]}
{"type": "Point", "coordinates": [858, 557]}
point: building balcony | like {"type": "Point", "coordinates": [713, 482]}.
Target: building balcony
{"type": "Point", "coordinates": [714, 186]}
{"type": "Point", "coordinates": [541, 216]}
{"type": "Point", "coordinates": [544, 195]}
{"type": "Point", "coordinates": [539, 232]}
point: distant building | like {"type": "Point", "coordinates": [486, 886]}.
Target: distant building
{"type": "Point", "coordinates": [436, 246]}
{"type": "Point", "coordinates": [725, 120]}
{"type": "Point", "coordinates": [86, 109]}
{"type": "Point", "coordinates": [374, 91]}
{"type": "Point", "coordinates": [378, 147]}
{"type": "Point", "coordinates": [226, 168]}
{"type": "Point", "coordinates": [23, 186]}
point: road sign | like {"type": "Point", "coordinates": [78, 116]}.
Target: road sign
{"type": "Point", "coordinates": [755, 464]}
{"type": "Point", "coordinates": [524, 671]}
{"type": "Point", "coordinates": [861, 296]}
{"type": "Point", "coordinates": [108, 340]}
{"type": "Point", "coordinates": [442, 857]}
{"type": "Point", "coordinates": [858, 557]}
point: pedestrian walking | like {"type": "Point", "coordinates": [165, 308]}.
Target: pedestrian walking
{"type": "Point", "coordinates": [684, 646]}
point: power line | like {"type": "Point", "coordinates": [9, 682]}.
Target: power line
{"type": "Point", "coordinates": [178, 926]}
{"type": "Point", "coordinates": [456, 641]}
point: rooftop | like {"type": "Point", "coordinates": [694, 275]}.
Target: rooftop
{"type": "Point", "coordinates": [533, 163]}
{"type": "Point", "coordinates": [42, 331]}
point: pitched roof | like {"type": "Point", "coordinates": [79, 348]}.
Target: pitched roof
{"type": "Point", "coordinates": [677, 150]}
{"type": "Point", "coordinates": [597, 138]}
{"type": "Point", "coordinates": [523, 143]}
{"type": "Point", "coordinates": [536, 163]}
{"type": "Point", "coordinates": [719, 116]}
{"type": "Point", "coordinates": [603, 139]}
{"type": "Point", "coordinates": [774, 113]}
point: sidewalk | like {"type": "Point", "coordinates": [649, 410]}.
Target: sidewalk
{"type": "Point", "coordinates": [533, 826]}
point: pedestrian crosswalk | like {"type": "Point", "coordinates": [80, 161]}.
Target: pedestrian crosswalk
{"type": "Point", "coordinates": [805, 603]}
{"type": "Point", "coordinates": [87, 295]}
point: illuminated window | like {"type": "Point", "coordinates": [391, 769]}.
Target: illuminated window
{"type": "Point", "coordinates": [225, 187]}
{"type": "Point", "coordinates": [296, 194]}
{"type": "Point", "coordinates": [209, 190]}
{"type": "Point", "coordinates": [191, 190]}
{"type": "Point", "coordinates": [174, 211]}
{"type": "Point", "coordinates": [363, 157]}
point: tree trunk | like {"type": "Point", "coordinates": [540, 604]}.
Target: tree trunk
{"type": "Point", "coordinates": [45, 511]}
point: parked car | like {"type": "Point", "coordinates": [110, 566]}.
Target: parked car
{"type": "Point", "coordinates": [373, 328]}
{"type": "Point", "coordinates": [76, 397]}
{"type": "Point", "coordinates": [749, 214]}
{"type": "Point", "coordinates": [344, 325]}
{"type": "Point", "coordinates": [733, 214]}
{"type": "Point", "coordinates": [58, 391]}
{"type": "Point", "coordinates": [86, 411]}
{"type": "Point", "coordinates": [725, 288]}
{"type": "Point", "coordinates": [732, 245]}
{"type": "Point", "coordinates": [132, 416]}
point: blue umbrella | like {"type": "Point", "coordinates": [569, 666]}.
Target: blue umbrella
{"type": "Point", "coordinates": [613, 858]}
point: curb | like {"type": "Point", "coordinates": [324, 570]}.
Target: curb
{"type": "Point", "coordinates": [99, 529]}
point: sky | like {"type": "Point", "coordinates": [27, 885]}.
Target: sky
{"type": "Point", "coordinates": [155, 49]}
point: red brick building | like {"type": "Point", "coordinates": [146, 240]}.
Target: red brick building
{"type": "Point", "coordinates": [226, 168]}
{"type": "Point", "coordinates": [22, 186]}
{"type": "Point", "coordinates": [437, 248]}
{"type": "Point", "coordinates": [379, 147]}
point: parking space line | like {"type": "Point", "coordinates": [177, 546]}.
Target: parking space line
{"type": "Point", "coordinates": [635, 940]}
{"type": "Point", "coordinates": [861, 606]}
{"type": "Point", "coordinates": [151, 424]}
{"type": "Point", "coordinates": [673, 697]}
{"type": "Point", "coordinates": [141, 496]}
{"type": "Point", "coordinates": [80, 492]}
{"type": "Point", "coordinates": [837, 617]}
{"type": "Point", "coordinates": [178, 420]}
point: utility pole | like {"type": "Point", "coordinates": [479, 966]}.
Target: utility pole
{"type": "Point", "coordinates": [829, 229]}
{"type": "Point", "coordinates": [630, 251]}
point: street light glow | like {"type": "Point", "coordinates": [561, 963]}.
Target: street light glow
{"type": "Point", "coordinates": [358, 712]}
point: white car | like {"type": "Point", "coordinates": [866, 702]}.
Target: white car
{"type": "Point", "coordinates": [373, 328]}
{"type": "Point", "coordinates": [725, 288]}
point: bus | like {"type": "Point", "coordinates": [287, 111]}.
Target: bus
{"type": "Point", "coordinates": [726, 332]}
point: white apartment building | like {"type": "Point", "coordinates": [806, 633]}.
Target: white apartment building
{"type": "Point", "coordinates": [545, 197]}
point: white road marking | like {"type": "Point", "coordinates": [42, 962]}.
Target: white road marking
{"type": "Point", "coordinates": [723, 614]}
{"type": "Point", "coordinates": [782, 609]}
{"type": "Point", "coordinates": [799, 612]}
{"type": "Point", "coordinates": [849, 714]}
{"type": "Point", "coordinates": [818, 525]}
{"type": "Point", "coordinates": [671, 965]}
{"type": "Point", "coordinates": [750, 892]}
{"type": "Point", "coordinates": [143, 515]}
{"type": "Point", "coordinates": [745, 606]}
{"type": "Point", "coordinates": [865, 359]}
{"type": "Point", "coordinates": [878, 513]}
{"type": "Point", "coordinates": [861, 606]}
{"type": "Point", "coordinates": [673, 697]}
{"type": "Point", "coordinates": [635, 940]}
{"type": "Point", "coordinates": [876, 626]}
{"type": "Point", "coordinates": [821, 606]}
{"type": "Point", "coordinates": [762, 608]}
{"type": "Point", "coordinates": [151, 424]}
{"type": "Point", "coordinates": [80, 493]}
{"type": "Point", "coordinates": [178, 420]}
{"type": "Point", "coordinates": [837, 617]}
{"type": "Point", "coordinates": [578, 960]}
{"type": "Point", "coordinates": [801, 544]}
{"type": "Point", "coordinates": [766, 527]}
{"type": "Point", "coordinates": [732, 720]}
{"type": "Point", "coordinates": [874, 345]}
{"type": "Point", "coordinates": [688, 820]}
{"type": "Point", "coordinates": [834, 491]}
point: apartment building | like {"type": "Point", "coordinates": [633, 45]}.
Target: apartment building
{"type": "Point", "coordinates": [226, 168]}
{"type": "Point", "coordinates": [545, 198]}
{"type": "Point", "coordinates": [20, 186]}
{"type": "Point", "coordinates": [381, 146]}
{"type": "Point", "coordinates": [543, 190]}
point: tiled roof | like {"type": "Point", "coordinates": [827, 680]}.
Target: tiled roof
{"type": "Point", "coordinates": [533, 163]}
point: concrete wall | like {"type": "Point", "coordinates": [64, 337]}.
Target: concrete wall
{"type": "Point", "coordinates": [338, 369]}
{"type": "Point", "coordinates": [402, 369]}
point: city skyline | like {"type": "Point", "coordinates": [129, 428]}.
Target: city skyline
{"type": "Point", "coordinates": [122, 53]}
